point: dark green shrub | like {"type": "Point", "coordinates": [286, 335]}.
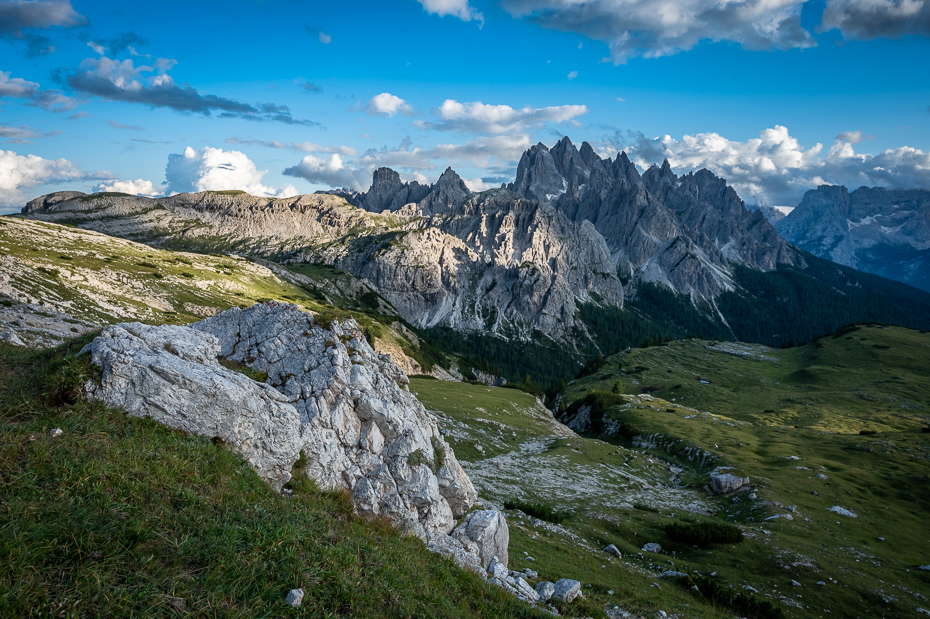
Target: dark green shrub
{"type": "Point", "coordinates": [543, 511]}
{"type": "Point", "coordinates": [704, 533]}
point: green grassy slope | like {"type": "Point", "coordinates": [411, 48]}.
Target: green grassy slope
{"type": "Point", "coordinates": [525, 455]}
{"type": "Point", "coordinates": [104, 279]}
{"type": "Point", "coordinates": [123, 517]}
{"type": "Point", "coordinates": [791, 419]}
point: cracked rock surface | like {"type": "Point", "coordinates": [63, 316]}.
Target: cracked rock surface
{"type": "Point", "coordinates": [328, 394]}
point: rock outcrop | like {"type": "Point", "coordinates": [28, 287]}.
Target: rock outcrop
{"type": "Point", "coordinates": [881, 231]}
{"type": "Point", "coordinates": [727, 480]}
{"type": "Point", "coordinates": [328, 394]}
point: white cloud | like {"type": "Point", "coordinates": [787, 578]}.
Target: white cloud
{"type": "Point", "coordinates": [100, 49]}
{"type": "Point", "coordinates": [138, 187]}
{"type": "Point", "coordinates": [478, 184]}
{"type": "Point", "coordinates": [325, 39]}
{"type": "Point", "coordinates": [324, 171]}
{"type": "Point", "coordinates": [478, 117]}
{"type": "Point", "coordinates": [572, 75]}
{"type": "Point", "coordinates": [775, 169]}
{"type": "Point", "coordinates": [387, 104]}
{"type": "Point", "coordinates": [215, 169]}
{"type": "Point", "coordinates": [456, 8]}
{"type": "Point", "coordinates": [872, 19]}
{"type": "Point", "coordinates": [653, 28]}
{"type": "Point", "coordinates": [49, 100]}
{"type": "Point", "coordinates": [19, 172]}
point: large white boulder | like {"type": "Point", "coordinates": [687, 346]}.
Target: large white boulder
{"type": "Point", "coordinates": [328, 394]}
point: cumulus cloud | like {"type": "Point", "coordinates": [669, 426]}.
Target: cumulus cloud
{"type": "Point", "coordinates": [19, 172]}
{"type": "Point", "coordinates": [123, 81]}
{"type": "Point", "coordinates": [493, 153]}
{"type": "Point", "coordinates": [478, 117]}
{"type": "Point", "coordinates": [213, 169]}
{"type": "Point", "coordinates": [572, 75]}
{"type": "Point", "coordinates": [775, 169]}
{"type": "Point", "coordinates": [138, 187]}
{"type": "Point", "coordinates": [307, 147]}
{"type": "Point", "coordinates": [873, 19]}
{"type": "Point", "coordinates": [387, 104]}
{"type": "Point", "coordinates": [31, 92]}
{"type": "Point", "coordinates": [653, 28]}
{"type": "Point", "coordinates": [455, 8]}
{"type": "Point", "coordinates": [17, 15]}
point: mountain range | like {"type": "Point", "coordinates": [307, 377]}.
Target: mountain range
{"type": "Point", "coordinates": [579, 253]}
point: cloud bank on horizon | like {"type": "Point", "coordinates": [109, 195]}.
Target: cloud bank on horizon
{"type": "Point", "coordinates": [82, 90]}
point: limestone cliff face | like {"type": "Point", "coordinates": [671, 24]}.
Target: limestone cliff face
{"type": "Point", "coordinates": [882, 231]}
{"type": "Point", "coordinates": [497, 263]}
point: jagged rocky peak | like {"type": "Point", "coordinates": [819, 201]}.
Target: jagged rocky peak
{"type": "Point", "coordinates": [659, 178]}
{"type": "Point", "coordinates": [545, 174]}
{"type": "Point", "coordinates": [389, 193]}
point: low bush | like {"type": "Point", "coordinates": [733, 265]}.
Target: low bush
{"type": "Point", "coordinates": [543, 511]}
{"type": "Point", "coordinates": [704, 533]}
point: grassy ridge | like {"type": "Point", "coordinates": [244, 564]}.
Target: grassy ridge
{"type": "Point", "coordinates": [124, 517]}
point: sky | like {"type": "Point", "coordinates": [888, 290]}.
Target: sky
{"type": "Point", "coordinates": [284, 97]}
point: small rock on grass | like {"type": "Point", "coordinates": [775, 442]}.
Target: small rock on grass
{"type": "Point", "coordinates": [613, 550]}
{"type": "Point", "coordinates": [295, 597]}
{"type": "Point", "coordinates": [567, 589]}
{"type": "Point", "coordinates": [56, 433]}
{"type": "Point", "coordinates": [652, 547]}
{"type": "Point", "coordinates": [545, 590]}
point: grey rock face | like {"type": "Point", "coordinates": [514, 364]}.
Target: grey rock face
{"type": "Point", "coordinates": [328, 394]}
{"type": "Point", "coordinates": [567, 589]}
{"type": "Point", "coordinates": [545, 590]}
{"type": "Point", "coordinates": [881, 231]}
{"type": "Point", "coordinates": [613, 550]}
{"type": "Point", "coordinates": [725, 480]}
{"type": "Point", "coordinates": [486, 532]}
{"type": "Point", "coordinates": [171, 374]}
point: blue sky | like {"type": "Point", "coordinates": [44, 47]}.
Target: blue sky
{"type": "Point", "coordinates": [280, 97]}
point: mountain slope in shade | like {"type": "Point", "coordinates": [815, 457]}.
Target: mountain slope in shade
{"type": "Point", "coordinates": [881, 231]}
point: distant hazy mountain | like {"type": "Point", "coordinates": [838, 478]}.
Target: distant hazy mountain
{"type": "Point", "coordinates": [881, 231]}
